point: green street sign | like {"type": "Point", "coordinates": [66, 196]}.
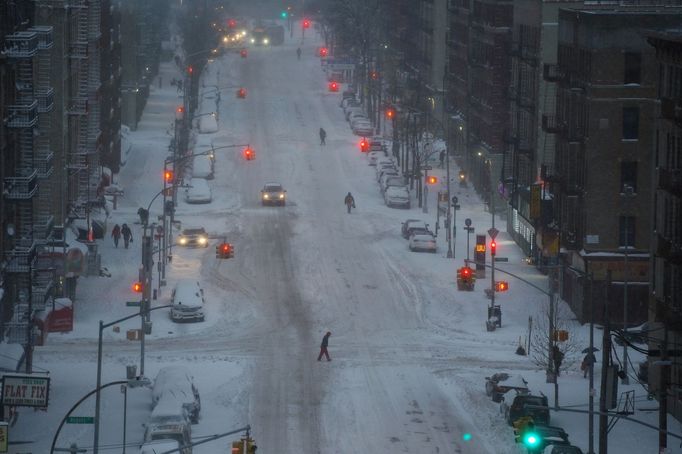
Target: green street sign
{"type": "Point", "coordinates": [501, 259]}
{"type": "Point", "coordinates": [80, 420]}
{"type": "Point", "coordinates": [132, 303]}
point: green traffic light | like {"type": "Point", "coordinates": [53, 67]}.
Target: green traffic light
{"type": "Point", "coordinates": [466, 437]}
{"type": "Point", "coordinates": [283, 14]}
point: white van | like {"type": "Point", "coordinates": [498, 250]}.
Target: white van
{"type": "Point", "coordinates": [169, 421]}
{"type": "Point", "coordinates": [177, 382]}
{"type": "Point", "coordinates": [187, 302]}
{"type": "Point", "coordinates": [202, 167]}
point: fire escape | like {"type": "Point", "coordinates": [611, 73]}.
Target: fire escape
{"type": "Point", "coordinates": [83, 108]}
{"type": "Point", "coordinates": [30, 218]}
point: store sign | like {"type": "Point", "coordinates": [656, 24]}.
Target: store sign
{"type": "Point", "coordinates": [25, 390]}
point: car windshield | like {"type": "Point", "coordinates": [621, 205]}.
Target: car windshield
{"type": "Point", "coordinates": [533, 400]}
{"type": "Point", "coordinates": [194, 232]}
{"type": "Point", "coordinates": [273, 188]}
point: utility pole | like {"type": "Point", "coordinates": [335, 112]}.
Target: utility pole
{"type": "Point", "coordinates": [591, 371]}
{"type": "Point", "coordinates": [663, 395]}
{"type": "Point", "coordinates": [606, 354]}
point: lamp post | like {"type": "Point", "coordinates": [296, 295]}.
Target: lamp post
{"type": "Point", "coordinates": [143, 311]}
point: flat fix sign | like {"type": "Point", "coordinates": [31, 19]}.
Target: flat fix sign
{"type": "Point", "coordinates": [25, 390]}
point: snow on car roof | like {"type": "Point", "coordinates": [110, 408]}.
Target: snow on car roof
{"type": "Point", "coordinates": [514, 381]}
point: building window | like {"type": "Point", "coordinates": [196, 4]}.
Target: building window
{"type": "Point", "coordinates": [633, 68]}
{"type": "Point", "coordinates": [630, 123]}
{"type": "Point", "coordinates": [626, 233]}
{"type": "Point", "coordinates": [628, 177]}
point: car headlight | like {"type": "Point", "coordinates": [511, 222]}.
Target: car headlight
{"type": "Point", "coordinates": [253, 40]}
{"type": "Point", "coordinates": [281, 196]}
{"type": "Point", "coordinates": [265, 41]}
{"type": "Point", "coordinates": [203, 240]}
{"type": "Point", "coordinates": [266, 196]}
{"type": "Point", "coordinates": [183, 240]}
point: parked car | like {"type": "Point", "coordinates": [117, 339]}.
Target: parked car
{"type": "Point", "coordinates": [198, 191]}
{"type": "Point", "coordinates": [159, 446]}
{"type": "Point", "coordinates": [177, 382]}
{"type": "Point", "coordinates": [412, 224]}
{"type": "Point", "coordinates": [352, 110]}
{"type": "Point", "coordinates": [422, 242]}
{"type": "Point", "coordinates": [397, 197]}
{"type": "Point", "coordinates": [391, 180]}
{"type": "Point", "coordinates": [193, 237]}
{"type": "Point", "coordinates": [208, 124]}
{"type": "Point", "coordinates": [187, 300]}
{"type": "Point", "coordinates": [373, 156]}
{"type": "Point", "coordinates": [499, 384]}
{"type": "Point", "coordinates": [348, 101]}
{"type": "Point", "coordinates": [387, 171]}
{"type": "Point", "coordinates": [363, 129]}
{"type": "Point", "coordinates": [273, 194]}
{"type": "Point", "coordinates": [519, 407]}
{"type": "Point", "coordinates": [202, 167]}
{"type": "Point", "coordinates": [357, 116]}
{"type": "Point", "coordinates": [636, 334]}
{"type": "Point", "coordinates": [562, 449]}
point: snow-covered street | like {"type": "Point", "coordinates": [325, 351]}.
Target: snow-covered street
{"type": "Point", "coordinates": [410, 352]}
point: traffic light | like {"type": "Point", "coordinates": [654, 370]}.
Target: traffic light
{"type": "Point", "coordinates": [243, 53]}
{"type": "Point", "coordinates": [364, 145]}
{"type": "Point", "coordinates": [493, 248]}
{"type": "Point", "coordinates": [179, 113]}
{"type": "Point", "coordinates": [390, 113]}
{"type": "Point", "coordinates": [431, 180]}
{"type": "Point", "coordinates": [249, 154]}
{"type": "Point", "coordinates": [168, 176]}
{"type": "Point", "coordinates": [190, 70]}
{"type": "Point", "coordinates": [169, 208]}
{"type": "Point", "coordinates": [231, 23]}
{"type": "Point", "coordinates": [333, 86]}
{"type": "Point", "coordinates": [374, 75]}
{"type": "Point", "coordinates": [323, 51]}
{"type": "Point", "coordinates": [501, 286]}
{"type": "Point", "coordinates": [241, 93]}
{"type": "Point", "coordinates": [138, 287]}
{"type": "Point", "coordinates": [306, 23]}
{"type": "Point", "coordinates": [224, 251]}
{"type": "Point", "coordinates": [465, 273]}
{"type": "Point", "coordinates": [283, 14]}
{"type": "Point", "coordinates": [244, 446]}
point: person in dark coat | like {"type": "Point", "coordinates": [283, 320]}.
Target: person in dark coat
{"type": "Point", "coordinates": [558, 357]}
{"type": "Point", "coordinates": [588, 363]}
{"type": "Point", "coordinates": [116, 234]}
{"type": "Point", "coordinates": [127, 235]}
{"type": "Point", "coordinates": [323, 347]}
{"type": "Point", "coordinates": [323, 137]}
{"type": "Point", "coordinates": [349, 201]}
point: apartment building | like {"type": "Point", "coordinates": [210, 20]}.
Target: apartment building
{"type": "Point", "coordinates": [665, 298]}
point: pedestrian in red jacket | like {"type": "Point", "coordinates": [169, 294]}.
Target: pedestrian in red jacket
{"type": "Point", "coordinates": [323, 347]}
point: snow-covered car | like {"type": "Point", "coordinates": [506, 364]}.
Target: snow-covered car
{"type": "Point", "coordinates": [352, 110]}
{"type": "Point", "coordinates": [177, 382]}
{"type": "Point", "coordinates": [357, 117]}
{"type": "Point", "coordinates": [411, 225]}
{"type": "Point", "coordinates": [363, 129]}
{"type": "Point", "coordinates": [208, 124]}
{"type": "Point", "coordinates": [202, 167]}
{"type": "Point", "coordinates": [423, 242]}
{"type": "Point", "coordinates": [187, 302]}
{"type": "Point", "coordinates": [397, 197]}
{"type": "Point", "coordinates": [198, 191]}
{"type": "Point", "coordinates": [373, 156]}
{"type": "Point", "coordinates": [159, 446]}
{"type": "Point", "coordinates": [193, 238]}
{"type": "Point", "coordinates": [376, 143]}
{"type": "Point", "coordinates": [392, 171]}
{"type": "Point", "coordinates": [273, 194]}
{"type": "Point", "coordinates": [390, 180]}
{"type": "Point", "coordinates": [562, 449]}
{"type": "Point", "coordinates": [349, 102]}
{"type": "Point", "coordinates": [499, 384]}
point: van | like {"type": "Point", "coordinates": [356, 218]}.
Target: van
{"type": "Point", "coordinates": [187, 300]}
{"type": "Point", "coordinates": [202, 167]}
{"type": "Point", "coordinates": [178, 383]}
{"type": "Point", "coordinates": [169, 421]}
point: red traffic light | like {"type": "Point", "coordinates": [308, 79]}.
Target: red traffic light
{"type": "Point", "coordinates": [493, 247]}
{"type": "Point", "coordinates": [390, 113]}
{"type": "Point", "coordinates": [333, 86]}
{"type": "Point", "coordinates": [190, 70]}
{"type": "Point", "coordinates": [232, 23]}
{"type": "Point", "coordinates": [168, 176]}
{"type": "Point", "coordinates": [249, 154]}
{"type": "Point", "coordinates": [465, 272]}
{"type": "Point", "coordinates": [323, 51]}
{"type": "Point", "coordinates": [364, 145]}
{"type": "Point", "coordinates": [306, 23]}
{"type": "Point", "coordinates": [241, 93]}
{"type": "Point", "coordinates": [431, 180]}
{"type": "Point", "coordinates": [137, 287]}
{"type": "Point", "coordinates": [374, 75]}
{"type": "Point", "coordinates": [243, 53]}
{"type": "Point", "coordinates": [501, 286]}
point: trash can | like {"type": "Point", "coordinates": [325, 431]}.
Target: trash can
{"type": "Point", "coordinates": [131, 371]}
{"type": "Point", "coordinates": [495, 315]}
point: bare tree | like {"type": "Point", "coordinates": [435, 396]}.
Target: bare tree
{"type": "Point", "coordinates": [541, 342]}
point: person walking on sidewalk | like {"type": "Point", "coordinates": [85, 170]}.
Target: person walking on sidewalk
{"type": "Point", "coordinates": [442, 158]}
{"type": "Point", "coordinates": [349, 201]}
{"type": "Point", "coordinates": [116, 234]}
{"type": "Point", "coordinates": [323, 347]}
{"type": "Point", "coordinates": [127, 235]}
{"type": "Point", "coordinates": [323, 137]}
{"type": "Point", "coordinates": [588, 363]}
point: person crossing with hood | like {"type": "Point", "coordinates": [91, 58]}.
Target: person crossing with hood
{"type": "Point", "coordinates": [127, 235]}
{"type": "Point", "coordinates": [323, 347]}
{"type": "Point", "coordinates": [323, 137]}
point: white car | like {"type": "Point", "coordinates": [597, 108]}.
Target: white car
{"type": "Point", "coordinates": [397, 197]}
{"type": "Point", "coordinates": [202, 167]}
{"type": "Point", "coordinates": [363, 129]}
{"type": "Point", "coordinates": [423, 242]}
{"type": "Point", "coordinates": [373, 157]}
{"type": "Point", "coordinates": [350, 110]}
{"type": "Point", "coordinates": [198, 192]}
{"type": "Point", "coordinates": [391, 180]}
{"type": "Point", "coordinates": [187, 302]}
{"type": "Point", "coordinates": [208, 124]}
{"type": "Point", "coordinates": [356, 117]}
{"type": "Point", "coordinates": [177, 382]}
{"type": "Point", "coordinates": [387, 171]}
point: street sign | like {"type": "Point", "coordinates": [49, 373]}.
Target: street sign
{"type": "Point", "coordinates": [457, 207]}
{"type": "Point", "coordinates": [132, 303]}
{"type": "Point", "coordinates": [427, 168]}
{"type": "Point", "coordinates": [501, 259]}
{"type": "Point", "coordinates": [493, 232]}
{"type": "Point", "coordinates": [80, 420]}
{"type": "Point", "coordinates": [467, 222]}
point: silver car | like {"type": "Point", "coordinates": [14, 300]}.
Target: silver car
{"type": "Point", "coordinates": [273, 194]}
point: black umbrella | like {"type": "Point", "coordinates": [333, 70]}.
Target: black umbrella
{"type": "Point", "coordinates": [587, 350]}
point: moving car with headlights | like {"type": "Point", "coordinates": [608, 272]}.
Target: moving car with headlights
{"type": "Point", "coordinates": [187, 302]}
{"type": "Point", "coordinates": [193, 238]}
{"type": "Point", "coordinates": [397, 197]}
{"type": "Point", "coordinates": [273, 194]}
{"type": "Point", "coordinates": [198, 191]}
